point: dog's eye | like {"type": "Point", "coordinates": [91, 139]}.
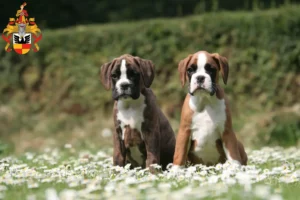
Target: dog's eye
{"type": "Point", "coordinates": [132, 73]}
{"type": "Point", "coordinates": [136, 73]}
{"type": "Point", "coordinates": [209, 68]}
{"type": "Point", "coordinates": [190, 70]}
{"type": "Point", "coordinates": [114, 76]}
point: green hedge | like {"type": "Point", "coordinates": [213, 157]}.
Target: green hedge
{"type": "Point", "coordinates": [263, 48]}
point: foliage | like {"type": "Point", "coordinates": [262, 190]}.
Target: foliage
{"type": "Point", "coordinates": [263, 49]}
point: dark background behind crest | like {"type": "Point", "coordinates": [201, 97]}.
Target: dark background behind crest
{"type": "Point", "coordinates": [62, 13]}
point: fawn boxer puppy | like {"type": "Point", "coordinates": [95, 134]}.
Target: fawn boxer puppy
{"type": "Point", "coordinates": [142, 134]}
{"type": "Point", "coordinates": [205, 134]}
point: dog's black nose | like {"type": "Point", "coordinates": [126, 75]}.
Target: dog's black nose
{"type": "Point", "coordinates": [124, 86]}
{"type": "Point", "coordinates": [200, 79]}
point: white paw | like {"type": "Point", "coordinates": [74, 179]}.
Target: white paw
{"type": "Point", "coordinates": [176, 168]}
{"type": "Point", "coordinates": [235, 162]}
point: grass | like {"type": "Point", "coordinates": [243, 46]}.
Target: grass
{"type": "Point", "coordinates": [69, 173]}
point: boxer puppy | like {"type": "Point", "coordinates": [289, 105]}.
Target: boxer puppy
{"type": "Point", "coordinates": [142, 134]}
{"type": "Point", "coordinates": [205, 134]}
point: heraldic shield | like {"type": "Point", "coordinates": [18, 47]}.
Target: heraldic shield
{"type": "Point", "coordinates": [21, 44]}
{"type": "Point", "coordinates": [24, 33]}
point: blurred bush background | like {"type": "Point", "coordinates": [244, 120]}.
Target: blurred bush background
{"type": "Point", "coordinates": [55, 97]}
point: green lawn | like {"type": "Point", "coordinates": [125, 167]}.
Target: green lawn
{"type": "Point", "coordinates": [67, 173]}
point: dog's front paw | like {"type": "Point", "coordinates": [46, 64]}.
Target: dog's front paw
{"type": "Point", "coordinates": [155, 168]}
{"type": "Point", "coordinates": [175, 169]}
{"type": "Point", "coordinates": [233, 164]}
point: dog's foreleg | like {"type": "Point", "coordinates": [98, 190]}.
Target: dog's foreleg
{"type": "Point", "coordinates": [152, 145]}
{"type": "Point", "coordinates": [119, 154]}
{"type": "Point", "coordinates": [182, 146]}
{"type": "Point", "coordinates": [231, 148]}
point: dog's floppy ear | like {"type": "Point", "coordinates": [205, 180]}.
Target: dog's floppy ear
{"type": "Point", "coordinates": [223, 66]}
{"type": "Point", "coordinates": [105, 73]}
{"type": "Point", "coordinates": [182, 67]}
{"type": "Point", "coordinates": [147, 70]}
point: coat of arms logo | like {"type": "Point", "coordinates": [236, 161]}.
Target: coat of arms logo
{"type": "Point", "coordinates": [23, 32]}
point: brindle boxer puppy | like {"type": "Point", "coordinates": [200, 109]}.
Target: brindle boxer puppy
{"type": "Point", "coordinates": [142, 135]}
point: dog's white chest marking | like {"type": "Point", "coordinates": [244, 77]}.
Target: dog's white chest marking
{"type": "Point", "coordinates": [131, 113]}
{"type": "Point", "coordinates": [207, 126]}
